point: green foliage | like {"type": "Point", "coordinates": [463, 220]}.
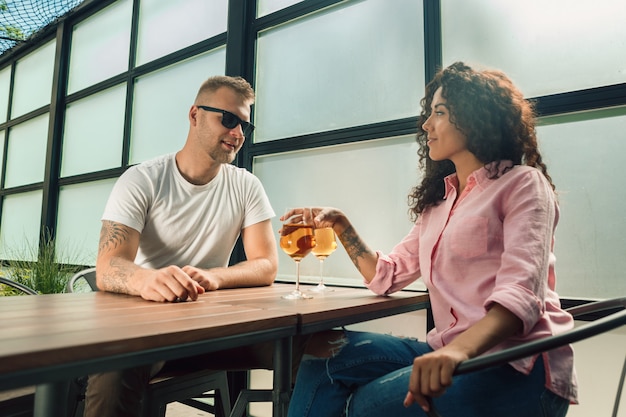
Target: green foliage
{"type": "Point", "coordinates": [47, 275]}
{"type": "Point", "coordinates": [6, 291]}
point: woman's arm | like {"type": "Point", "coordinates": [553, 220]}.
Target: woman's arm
{"type": "Point", "coordinates": [432, 373]}
{"type": "Point", "coordinates": [362, 256]}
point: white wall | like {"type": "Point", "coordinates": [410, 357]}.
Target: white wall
{"type": "Point", "coordinates": [599, 363]}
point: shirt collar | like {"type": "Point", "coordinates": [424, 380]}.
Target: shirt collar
{"type": "Point", "coordinates": [478, 177]}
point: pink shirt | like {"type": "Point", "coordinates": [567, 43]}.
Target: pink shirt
{"type": "Point", "coordinates": [493, 246]}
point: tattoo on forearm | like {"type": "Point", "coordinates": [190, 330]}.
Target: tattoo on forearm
{"type": "Point", "coordinates": [354, 246]}
{"type": "Point", "coordinates": [117, 278]}
{"type": "Point", "coordinates": [111, 235]}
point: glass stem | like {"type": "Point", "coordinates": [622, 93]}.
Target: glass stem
{"type": "Point", "coordinates": [297, 275]}
{"type": "Point", "coordinates": [321, 272]}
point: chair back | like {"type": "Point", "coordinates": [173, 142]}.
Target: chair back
{"type": "Point", "coordinates": [17, 286]}
{"type": "Point", "coordinates": [86, 275]}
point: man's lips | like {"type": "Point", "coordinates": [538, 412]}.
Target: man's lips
{"type": "Point", "coordinates": [231, 145]}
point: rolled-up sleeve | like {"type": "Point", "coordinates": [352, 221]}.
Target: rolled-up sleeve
{"type": "Point", "coordinates": [399, 268]}
{"type": "Point", "coordinates": [528, 227]}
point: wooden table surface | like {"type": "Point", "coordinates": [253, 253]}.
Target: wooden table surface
{"type": "Point", "coordinates": [41, 335]}
{"type": "Point", "coordinates": [340, 307]}
{"type": "Point", "coordinates": [49, 339]}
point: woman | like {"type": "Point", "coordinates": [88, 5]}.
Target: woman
{"type": "Point", "coordinates": [485, 214]}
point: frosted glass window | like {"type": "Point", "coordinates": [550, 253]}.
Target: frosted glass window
{"type": "Point", "coordinates": [168, 26]}
{"type": "Point", "coordinates": [33, 80]}
{"type": "Point", "coordinates": [345, 66]}
{"type": "Point", "coordinates": [19, 226]}
{"type": "Point", "coordinates": [100, 46]}
{"type": "Point", "coordinates": [2, 136]}
{"type": "Point", "coordinates": [78, 223]}
{"type": "Point", "coordinates": [545, 46]}
{"type": "Point", "coordinates": [265, 7]}
{"type": "Point", "coordinates": [162, 102]}
{"type": "Point", "coordinates": [583, 158]}
{"type": "Point", "coordinates": [375, 200]}
{"type": "Point", "coordinates": [94, 131]}
{"type": "Point", "coordinates": [5, 79]}
{"type": "Point", "coordinates": [26, 154]}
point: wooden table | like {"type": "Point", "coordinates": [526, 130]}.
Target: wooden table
{"type": "Point", "coordinates": [49, 339]}
{"type": "Point", "coordinates": [341, 307]}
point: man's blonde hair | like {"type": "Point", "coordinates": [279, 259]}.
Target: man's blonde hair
{"type": "Point", "coordinates": [239, 85]}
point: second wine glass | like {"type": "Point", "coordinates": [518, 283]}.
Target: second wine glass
{"type": "Point", "coordinates": [325, 244]}
{"type": "Point", "coordinates": [297, 240]}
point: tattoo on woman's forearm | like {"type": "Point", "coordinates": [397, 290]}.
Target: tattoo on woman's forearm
{"type": "Point", "coordinates": [111, 235]}
{"type": "Point", "coordinates": [354, 246]}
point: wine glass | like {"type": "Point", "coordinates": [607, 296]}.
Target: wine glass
{"type": "Point", "coordinates": [297, 240]}
{"type": "Point", "coordinates": [325, 244]}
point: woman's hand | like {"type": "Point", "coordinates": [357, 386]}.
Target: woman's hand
{"type": "Point", "coordinates": [361, 255]}
{"type": "Point", "coordinates": [330, 217]}
{"type": "Point", "coordinates": [320, 216]}
{"type": "Point", "coordinates": [432, 375]}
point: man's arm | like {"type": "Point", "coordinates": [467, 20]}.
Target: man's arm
{"type": "Point", "coordinates": [258, 269]}
{"type": "Point", "coordinates": [117, 272]}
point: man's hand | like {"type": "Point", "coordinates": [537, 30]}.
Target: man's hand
{"type": "Point", "coordinates": [170, 284]}
{"type": "Point", "coordinates": [203, 277]}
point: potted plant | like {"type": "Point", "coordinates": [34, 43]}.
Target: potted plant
{"type": "Point", "coordinates": [47, 274]}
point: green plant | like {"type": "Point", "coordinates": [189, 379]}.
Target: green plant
{"type": "Point", "coordinates": [47, 274]}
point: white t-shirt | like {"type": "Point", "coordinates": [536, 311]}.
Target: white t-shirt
{"type": "Point", "coordinates": [185, 224]}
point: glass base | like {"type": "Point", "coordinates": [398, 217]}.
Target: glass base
{"type": "Point", "coordinates": [321, 288]}
{"type": "Point", "coordinates": [296, 295]}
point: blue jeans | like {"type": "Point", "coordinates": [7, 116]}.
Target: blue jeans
{"type": "Point", "coordinates": [369, 375]}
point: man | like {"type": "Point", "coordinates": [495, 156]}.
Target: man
{"type": "Point", "coordinates": [171, 223]}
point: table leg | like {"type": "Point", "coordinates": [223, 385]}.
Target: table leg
{"type": "Point", "coordinates": [282, 377]}
{"type": "Point", "coordinates": [51, 399]}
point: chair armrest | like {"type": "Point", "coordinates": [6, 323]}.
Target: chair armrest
{"type": "Point", "coordinates": [18, 286]}
{"type": "Point", "coordinates": [585, 331]}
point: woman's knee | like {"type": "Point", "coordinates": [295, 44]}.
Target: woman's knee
{"type": "Point", "coordinates": [326, 344]}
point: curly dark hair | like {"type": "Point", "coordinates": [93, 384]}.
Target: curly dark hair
{"type": "Point", "coordinates": [491, 112]}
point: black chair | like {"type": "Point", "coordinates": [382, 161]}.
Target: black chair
{"type": "Point", "coordinates": [616, 318]}
{"type": "Point", "coordinates": [17, 286]}
{"type": "Point", "coordinates": [186, 388]}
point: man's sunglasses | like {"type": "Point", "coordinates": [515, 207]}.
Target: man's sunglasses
{"type": "Point", "coordinates": [230, 120]}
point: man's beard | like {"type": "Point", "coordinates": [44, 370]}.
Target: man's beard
{"type": "Point", "coordinates": [223, 157]}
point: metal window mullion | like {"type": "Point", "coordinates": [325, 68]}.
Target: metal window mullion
{"type": "Point", "coordinates": [55, 133]}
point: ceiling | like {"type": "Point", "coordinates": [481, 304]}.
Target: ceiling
{"type": "Point", "coordinates": [21, 20]}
